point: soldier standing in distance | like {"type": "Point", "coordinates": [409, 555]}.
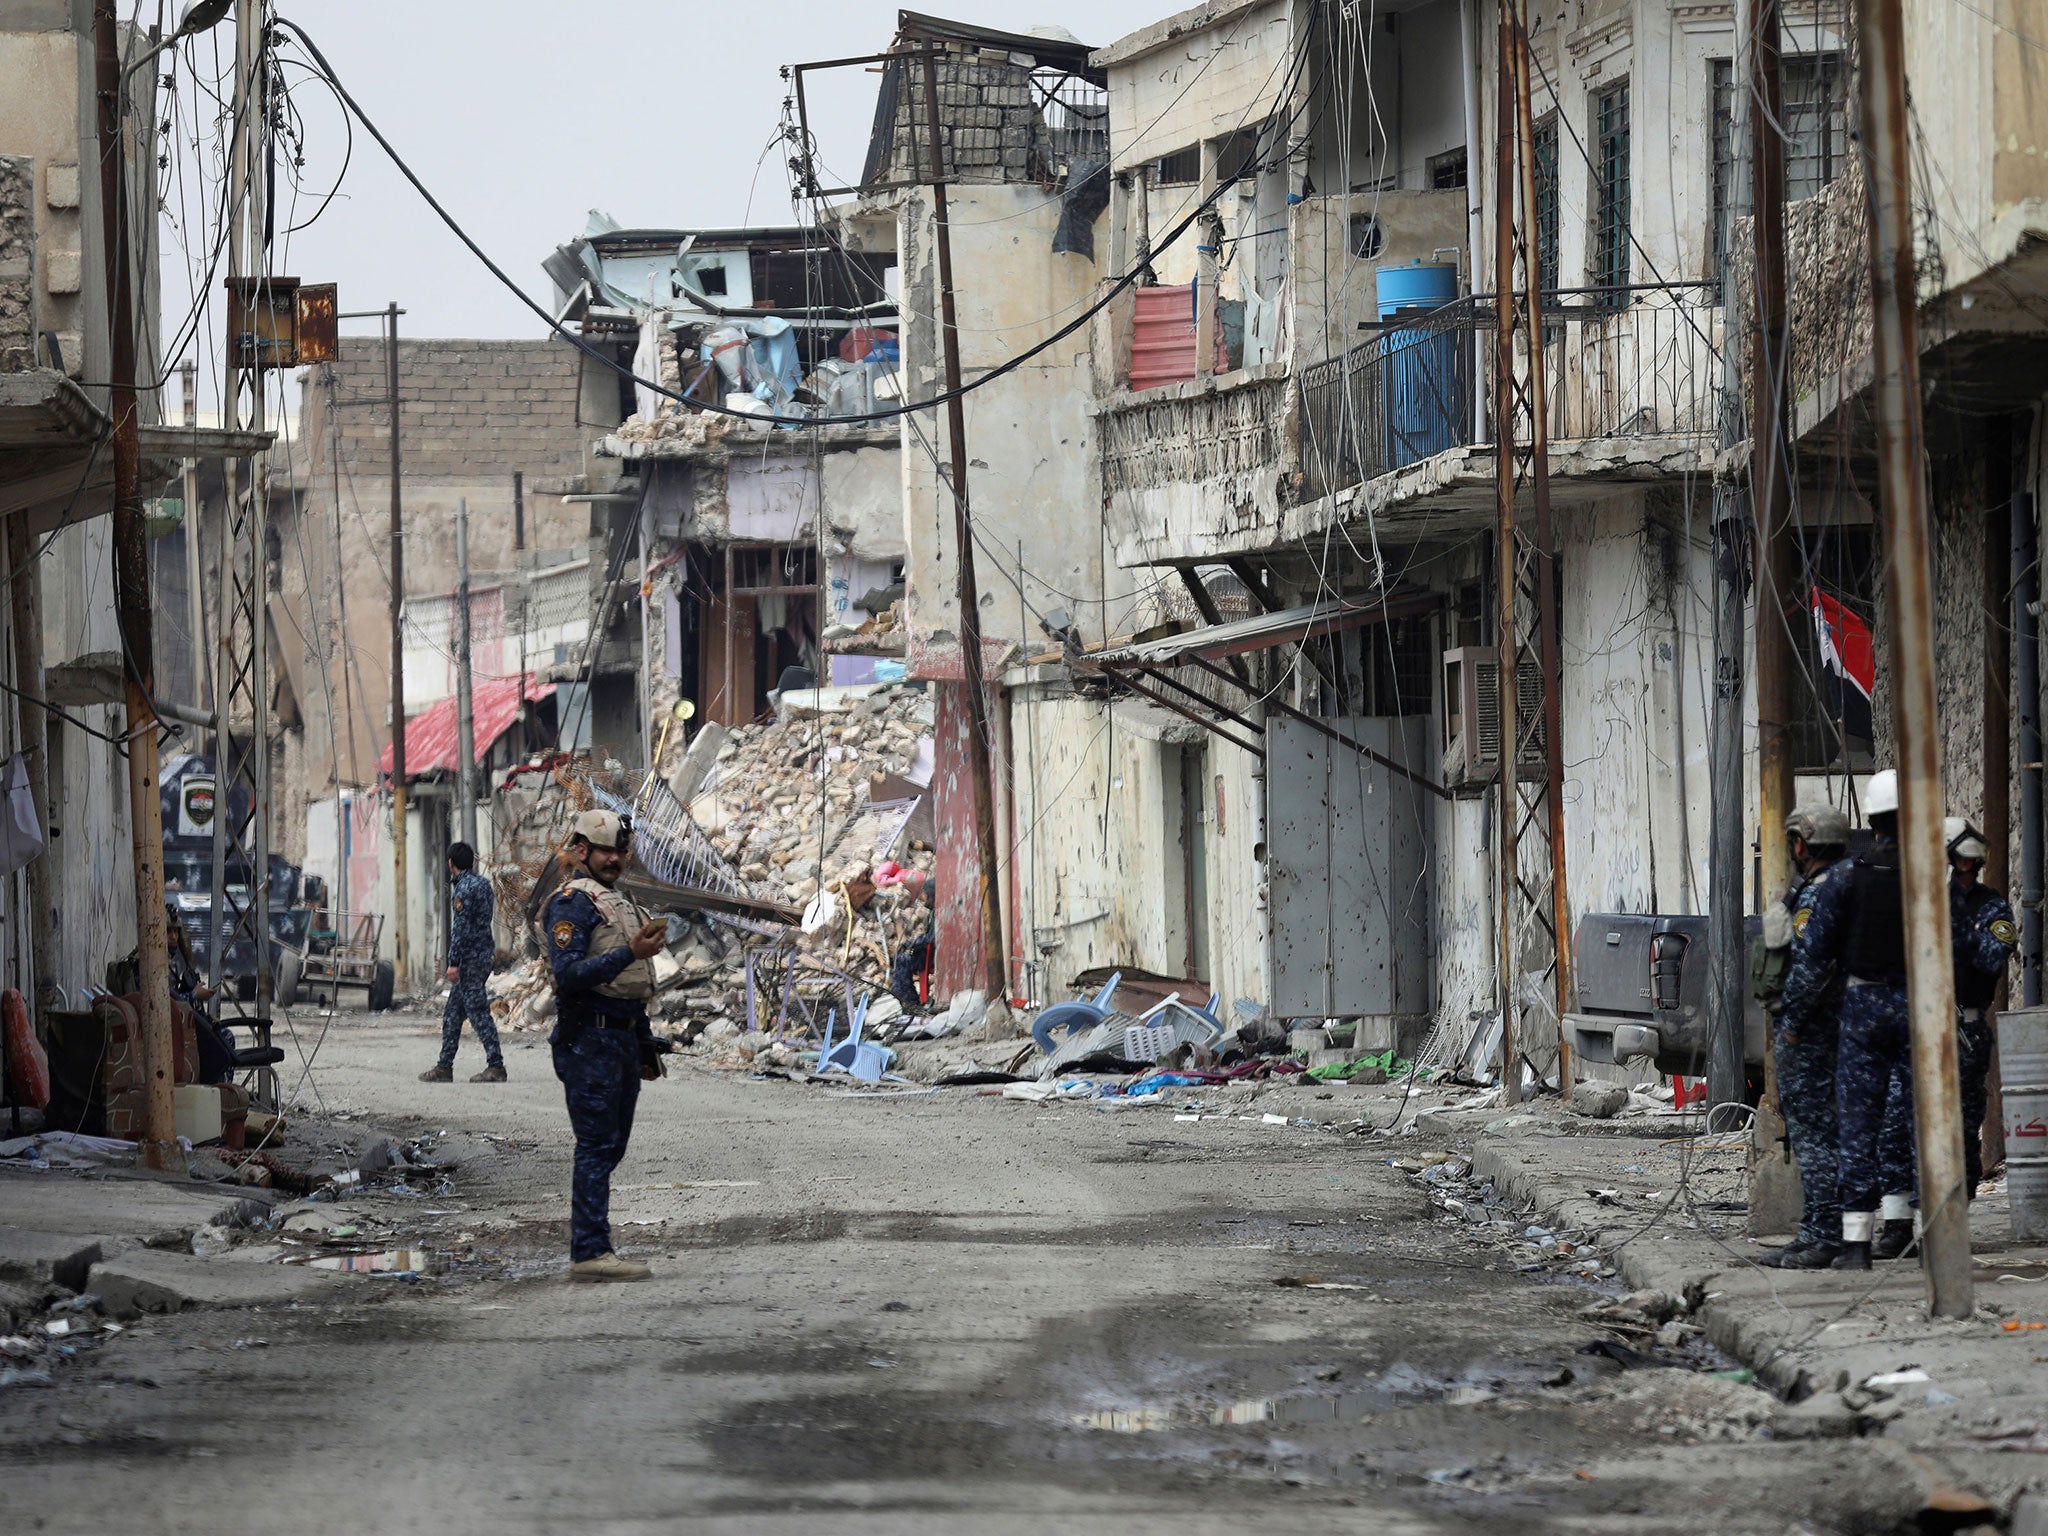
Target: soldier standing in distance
{"type": "Point", "coordinates": [1984, 935]}
{"type": "Point", "coordinates": [1805, 1024]}
{"type": "Point", "coordinates": [599, 944]}
{"type": "Point", "coordinates": [1857, 925]}
{"type": "Point", "coordinates": [471, 950]}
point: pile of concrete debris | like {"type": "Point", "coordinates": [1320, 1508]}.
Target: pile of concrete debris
{"type": "Point", "coordinates": [824, 809]}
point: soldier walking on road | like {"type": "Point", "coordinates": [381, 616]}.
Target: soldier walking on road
{"type": "Point", "coordinates": [599, 944]}
{"type": "Point", "coordinates": [1805, 1026]}
{"type": "Point", "coordinates": [1984, 935]}
{"type": "Point", "coordinates": [472, 947]}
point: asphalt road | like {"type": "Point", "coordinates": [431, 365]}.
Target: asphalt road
{"type": "Point", "coordinates": [925, 1313]}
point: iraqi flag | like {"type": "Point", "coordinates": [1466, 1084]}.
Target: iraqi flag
{"type": "Point", "coordinates": [1848, 662]}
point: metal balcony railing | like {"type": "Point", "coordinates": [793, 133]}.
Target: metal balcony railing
{"type": "Point", "coordinates": [1625, 362]}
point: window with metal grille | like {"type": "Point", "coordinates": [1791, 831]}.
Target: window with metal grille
{"type": "Point", "coordinates": [1610, 263]}
{"type": "Point", "coordinates": [1545, 146]}
{"type": "Point", "coordinates": [1816, 132]}
{"type": "Point", "coordinates": [1447, 171]}
{"type": "Point", "coordinates": [1180, 168]}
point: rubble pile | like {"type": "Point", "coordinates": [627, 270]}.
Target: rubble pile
{"type": "Point", "coordinates": [786, 795]}
{"type": "Point", "coordinates": [830, 787]}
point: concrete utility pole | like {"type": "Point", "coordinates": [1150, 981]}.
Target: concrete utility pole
{"type": "Point", "coordinates": [1909, 583]}
{"type": "Point", "coordinates": [2026, 590]}
{"type": "Point", "coordinates": [465, 698]}
{"type": "Point", "coordinates": [400, 949]}
{"type": "Point", "coordinates": [132, 596]}
{"type": "Point", "coordinates": [980, 766]}
{"type": "Point", "coordinates": [1725, 853]}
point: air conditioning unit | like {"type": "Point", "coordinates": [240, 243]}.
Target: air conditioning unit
{"type": "Point", "coordinates": [1472, 715]}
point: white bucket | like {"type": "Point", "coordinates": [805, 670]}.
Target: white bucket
{"type": "Point", "coordinates": [2023, 1073]}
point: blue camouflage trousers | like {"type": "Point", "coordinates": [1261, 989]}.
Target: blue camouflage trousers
{"type": "Point", "coordinates": [1806, 1097]}
{"type": "Point", "coordinates": [1975, 1045]}
{"type": "Point", "coordinates": [467, 997]}
{"type": "Point", "coordinates": [600, 1073]}
{"type": "Point", "coordinates": [1874, 1050]}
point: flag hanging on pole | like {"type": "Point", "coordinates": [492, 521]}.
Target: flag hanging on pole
{"type": "Point", "coordinates": [1848, 662]}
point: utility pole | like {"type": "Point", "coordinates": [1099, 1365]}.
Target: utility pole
{"type": "Point", "coordinates": [132, 596]}
{"type": "Point", "coordinates": [1909, 581]}
{"type": "Point", "coordinates": [465, 699]}
{"type": "Point", "coordinates": [2026, 591]}
{"type": "Point", "coordinates": [520, 573]}
{"type": "Point", "coordinates": [980, 767]}
{"type": "Point", "coordinates": [400, 949]}
{"type": "Point", "coordinates": [1770, 449]}
{"type": "Point", "coordinates": [25, 591]}
{"type": "Point", "coordinates": [195, 596]}
{"type": "Point", "coordinates": [1730, 552]}
{"type": "Point", "coordinates": [1527, 583]}
{"type": "Point", "coordinates": [1780, 599]}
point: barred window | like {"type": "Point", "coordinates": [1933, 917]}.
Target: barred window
{"type": "Point", "coordinates": [1545, 146]}
{"type": "Point", "coordinates": [1816, 127]}
{"type": "Point", "coordinates": [1610, 264]}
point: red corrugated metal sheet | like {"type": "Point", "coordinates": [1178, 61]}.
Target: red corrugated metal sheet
{"type": "Point", "coordinates": [430, 734]}
{"type": "Point", "coordinates": [1163, 337]}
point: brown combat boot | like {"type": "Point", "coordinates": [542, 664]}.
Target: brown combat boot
{"type": "Point", "coordinates": [438, 1075]}
{"type": "Point", "coordinates": [490, 1075]}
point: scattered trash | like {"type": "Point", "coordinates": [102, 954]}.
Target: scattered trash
{"type": "Point", "coordinates": [16, 1376]}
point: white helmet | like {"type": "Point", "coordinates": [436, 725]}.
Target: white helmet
{"type": "Point", "coordinates": [1962, 840]}
{"type": "Point", "coordinates": [1882, 794]}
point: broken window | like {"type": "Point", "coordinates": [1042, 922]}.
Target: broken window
{"type": "Point", "coordinates": [1181, 168]}
{"type": "Point", "coordinates": [1447, 171]}
{"type": "Point", "coordinates": [1816, 128]}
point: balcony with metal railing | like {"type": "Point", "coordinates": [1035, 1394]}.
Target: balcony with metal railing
{"type": "Point", "coordinates": [1400, 426]}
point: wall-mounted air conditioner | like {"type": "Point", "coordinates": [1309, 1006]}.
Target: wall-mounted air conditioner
{"type": "Point", "coordinates": [1472, 715]}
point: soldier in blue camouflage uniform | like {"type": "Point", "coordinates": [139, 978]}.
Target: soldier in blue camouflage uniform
{"type": "Point", "coordinates": [599, 944]}
{"type": "Point", "coordinates": [1857, 926]}
{"type": "Point", "coordinates": [471, 951]}
{"type": "Point", "coordinates": [1983, 932]}
{"type": "Point", "coordinates": [1804, 1033]}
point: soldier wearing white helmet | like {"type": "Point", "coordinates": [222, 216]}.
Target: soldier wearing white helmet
{"type": "Point", "coordinates": [1984, 935]}
{"type": "Point", "coordinates": [1805, 1024]}
{"type": "Point", "coordinates": [599, 945]}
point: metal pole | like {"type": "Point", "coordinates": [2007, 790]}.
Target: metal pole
{"type": "Point", "coordinates": [33, 727]}
{"type": "Point", "coordinates": [195, 595]}
{"type": "Point", "coordinates": [1546, 564]}
{"type": "Point", "coordinates": [256, 124]}
{"type": "Point", "coordinates": [1725, 851]}
{"type": "Point", "coordinates": [1997, 824]}
{"type": "Point", "coordinates": [1507, 962]}
{"type": "Point", "coordinates": [2026, 590]}
{"type": "Point", "coordinates": [1901, 445]}
{"type": "Point", "coordinates": [1770, 450]}
{"type": "Point", "coordinates": [465, 698]}
{"type": "Point", "coordinates": [980, 768]}
{"type": "Point", "coordinates": [400, 947]}
{"type": "Point", "coordinates": [131, 581]}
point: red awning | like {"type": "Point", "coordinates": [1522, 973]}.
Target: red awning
{"type": "Point", "coordinates": [430, 734]}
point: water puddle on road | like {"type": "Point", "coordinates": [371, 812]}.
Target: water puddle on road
{"type": "Point", "coordinates": [388, 1261]}
{"type": "Point", "coordinates": [1400, 1386]}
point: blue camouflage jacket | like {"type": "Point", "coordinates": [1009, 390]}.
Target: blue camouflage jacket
{"type": "Point", "coordinates": [568, 922]}
{"type": "Point", "coordinates": [471, 905]}
{"type": "Point", "coordinates": [1984, 935]}
{"type": "Point", "coordinates": [1813, 984]}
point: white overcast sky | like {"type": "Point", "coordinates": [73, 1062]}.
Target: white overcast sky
{"type": "Point", "coordinates": [524, 116]}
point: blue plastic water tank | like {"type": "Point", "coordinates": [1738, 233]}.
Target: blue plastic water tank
{"type": "Point", "coordinates": [1426, 408]}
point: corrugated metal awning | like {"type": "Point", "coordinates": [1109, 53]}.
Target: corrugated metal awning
{"type": "Point", "coordinates": [1285, 626]}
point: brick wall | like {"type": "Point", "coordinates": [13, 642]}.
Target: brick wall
{"type": "Point", "coordinates": [990, 126]}
{"type": "Point", "coordinates": [17, 263]}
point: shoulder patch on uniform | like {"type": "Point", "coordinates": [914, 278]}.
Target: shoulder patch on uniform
{"type": "Point", "coordinates": [565, 932]}
{"type": "Point", "coordinates": [1800, 919]}
{"type": "Point", "coordinates": [2005, 931]}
